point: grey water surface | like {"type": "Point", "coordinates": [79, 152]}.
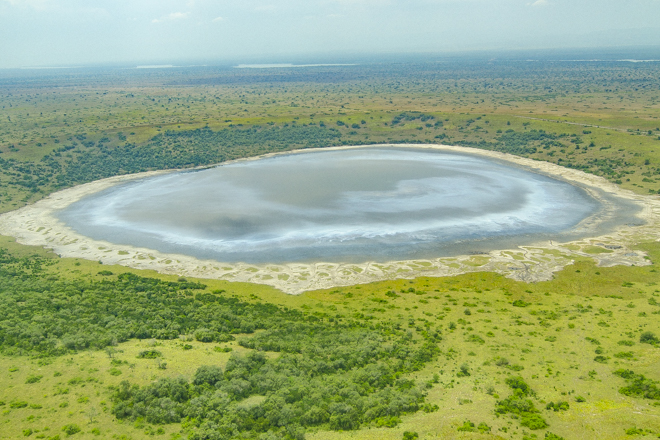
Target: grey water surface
{"type": "Point", "coordinates": [362, 204]}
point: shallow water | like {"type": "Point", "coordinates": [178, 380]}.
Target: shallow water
{"type": "Point", "coordinates": [362, 204]}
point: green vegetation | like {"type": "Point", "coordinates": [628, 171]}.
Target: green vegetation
{"type": "Point", "coordinates": [639, 386]}
{"type": "Point", "coordinates": [597, 117]}
{"type": "Point", "coordinates": [321, 363]}
{"type": "Point", "coordinates": [520, 406]}
{"type": "Point", "coordinates": [354, 369]}
{"type": "Point", "coordinates": [90, 351]}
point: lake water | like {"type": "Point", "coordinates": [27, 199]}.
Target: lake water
{"type": "Point", "coordinates": [362, 204]}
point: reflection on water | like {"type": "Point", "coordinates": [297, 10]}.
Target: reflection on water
{"type": "Point", "coordinates": [341, 205]}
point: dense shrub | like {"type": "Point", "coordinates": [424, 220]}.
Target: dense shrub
{"type": "Point", "coordinates": [649, 338]}
{"type": "Point", "coordinates": [332, 374]}
{"type": "Point", "coordinates": [467, 426]}
{"type": "Point", "coordinates": [638, 385]}
{"type": "Point", "coordinates": [558, 406]}
{"type": "Point", "coordinates": [519, 405]}
{"type": "Point", "coordinates": [18, 404]}
{"type": "Point", "coordinates": [79, 314]}
{"type": "Point", "coordinates": [149, 354]}
{"type": "Point", "coordinates": [71, 429]}
{"type": "Point", "coordinates": [338, 377]}
{"type": "Point", "coordinates": [33, 378]}
{"type": "Point", "coordinates": [533, 421]}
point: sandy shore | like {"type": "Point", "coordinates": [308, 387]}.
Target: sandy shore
{"type": "Point", "coordinates": [37, 225]}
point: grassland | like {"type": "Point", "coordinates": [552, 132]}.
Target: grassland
{"type": "Point", "coordinates": [565, 337]}
{"type": "Point", "coordinates": [600, 117]}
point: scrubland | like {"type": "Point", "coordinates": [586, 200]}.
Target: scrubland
{"type": "Point", "coordinates": [96, 351]}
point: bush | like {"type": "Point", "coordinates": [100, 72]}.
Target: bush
{"type": "Point", "coordinates": [624, 355]}
{"type": "Point", "coordinates": [467, 426]}
{"type": "Point", "coordinates": [519, 406]}
{"type": "Point", "coordinates": [648, 338]}
{"type": "Point", "coordinates": [475, 338]}
{"type": "Point", "coordinates": [464, 371]}
{"type": "Point", "coordinates": [638, 385]}
{"type": "Point", "coordinates": [18, 404]}
{"type": "Point", "coordinates": [559, 406]}
{"type": "Point", "coordinates": [517, 383]}
{"type": "Point", "coordinates": [533, 421]}
{"type": "Point", "coordinates": [208, 374]}
{"type": "Point", "coordinates": [205, 335]}
{"type": "Point", "coordinates": [71, 429]}
{"type": "Point", "coordinates": [149, 354]}
{"type": "Point", "coordinates": [224, 337]}
{"type": "Point", "coordinates": [515, 405]}
{"type": "Point", "coordinates": [409, 435]}
{"type": "Point", "coordinates": [33, 379]}
{"type": "Point", "coordinates": [388, 422]}
{"type": "Point", "coordinates": [429, 408]}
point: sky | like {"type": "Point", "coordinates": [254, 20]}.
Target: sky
{"type": "Point", "coordinates": [90, 32]}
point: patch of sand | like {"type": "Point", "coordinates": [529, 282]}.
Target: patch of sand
{"type": "Point", "coordinates": [37, 225]}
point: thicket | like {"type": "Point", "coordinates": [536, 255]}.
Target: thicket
{"type": "Point", "coordinates": [527, 143]}
{"type": "Point", "coordinates": [649, 338]}
{"type": "Point", "coordinates": [412, 116]}
{"type": "Point", "coordinates": [41, 314]}
{"type": "Point", "coordinates": [191, 148]}
{"type": "Point", "coordinates": [638, 385]}
{"type": "Point", "coordinates": [332, 371]}
{"type": "Point", "coordinates": [519, 405]}
{"type": "Point", "coordinates": [76, 163]}
{"type": "Point", "coordinates": [340, 377]}
{"type": "Point", "coordinates": [329, 374]}
{"type": "Point", "coordinates": [518, 143]}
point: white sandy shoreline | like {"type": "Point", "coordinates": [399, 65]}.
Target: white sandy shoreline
{"type": "Point", "coordinates": [37, 225]}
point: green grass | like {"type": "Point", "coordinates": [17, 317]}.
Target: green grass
{"type": "Point", "coordinates": [551, 341]}
{"type": "Point", "coordinates": [564, 337]}
{"type": "Point", "coordinates": [473, 109]}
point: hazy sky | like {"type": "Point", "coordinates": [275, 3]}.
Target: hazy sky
{"type": "Point", "coordinates": [82, 32]}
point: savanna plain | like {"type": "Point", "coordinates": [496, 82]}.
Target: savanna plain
{"type": "Point", "coordinates": [98, 351]}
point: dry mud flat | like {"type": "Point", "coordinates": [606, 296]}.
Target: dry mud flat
{"type": "Point", "coordinates": [37, 225]}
